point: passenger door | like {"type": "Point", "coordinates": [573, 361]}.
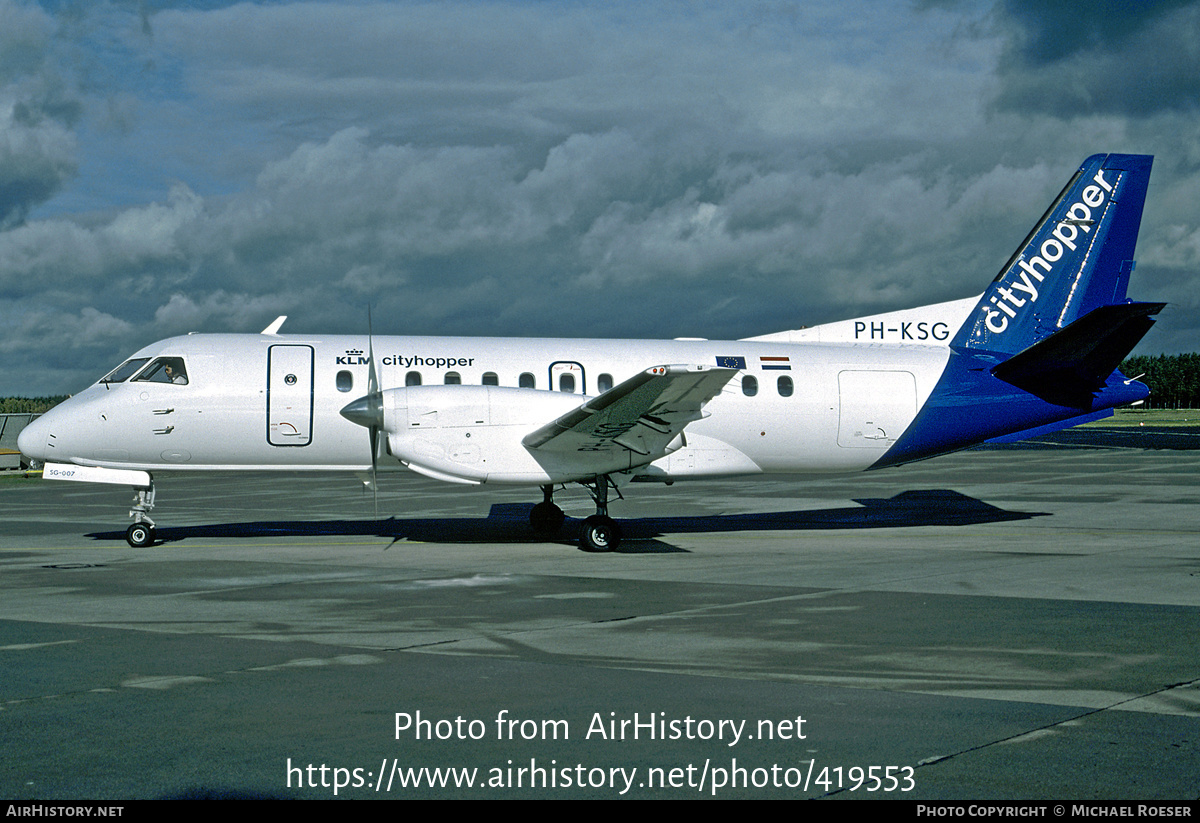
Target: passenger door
{"type": "Point", "coordinates": [289, 395]}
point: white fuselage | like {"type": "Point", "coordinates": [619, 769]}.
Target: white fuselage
{"type": "Point", "coordinates": [271, 401]}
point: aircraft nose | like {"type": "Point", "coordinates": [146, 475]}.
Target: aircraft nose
{"type": "Point", "coordinates": [33, 441]}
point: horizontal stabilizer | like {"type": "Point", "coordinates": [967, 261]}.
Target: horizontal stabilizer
{"type": "Point", "coordinates": [1069, 366]}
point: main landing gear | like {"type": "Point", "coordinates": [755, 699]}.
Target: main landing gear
{"type": "Point", "coordinates": [142, 533]}
{"type": "Point", "coordinates": [600, 532]}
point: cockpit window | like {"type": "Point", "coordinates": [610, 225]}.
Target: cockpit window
{"type": "Point", "coordinates": [164, 370]}
{"type": "Point", "coordinates": [122, 372]}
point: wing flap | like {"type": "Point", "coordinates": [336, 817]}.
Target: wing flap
{"type": "Point", "coordinates": [642, 415]}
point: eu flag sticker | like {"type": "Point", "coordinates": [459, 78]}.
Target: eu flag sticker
{"type": "Point", "coordinates": [731, 362]}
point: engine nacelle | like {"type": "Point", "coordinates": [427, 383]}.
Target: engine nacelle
{"type": "Point", "coordinates": [472, 434]}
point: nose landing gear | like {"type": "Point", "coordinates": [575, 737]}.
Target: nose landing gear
{"type": "Point", "coordinates": [142, 533]}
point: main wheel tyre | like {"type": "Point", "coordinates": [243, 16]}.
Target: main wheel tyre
{"type": "Point", "coordinates": [600, 534]}
{"type": "Point", "coordinates": [546, 518]}
{"type": "Point", "coordinates": [139, 535]}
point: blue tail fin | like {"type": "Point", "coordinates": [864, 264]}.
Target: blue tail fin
{"type": "Point", "coordinates": [1042, 346]}
{"type": "Point", "coordinates": [1077, 259]}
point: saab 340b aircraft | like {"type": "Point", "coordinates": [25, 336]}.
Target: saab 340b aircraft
{"type": "Point", "coordinates": [1037, 351]}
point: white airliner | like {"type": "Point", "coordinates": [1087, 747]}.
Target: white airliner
{"type": "Point", "coordinates": [1037, 351]}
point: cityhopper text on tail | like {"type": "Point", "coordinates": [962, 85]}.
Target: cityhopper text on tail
{"type": "Point", "coordinates": [1037, 351]}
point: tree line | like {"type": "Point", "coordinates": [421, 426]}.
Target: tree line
{"type": "Point", "coordinates": [1174, 379]}
{"type": "Point", "coordinates": [25, 405]}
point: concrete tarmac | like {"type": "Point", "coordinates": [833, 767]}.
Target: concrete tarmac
{"type": "Point", "coordinates": [1006, 623]}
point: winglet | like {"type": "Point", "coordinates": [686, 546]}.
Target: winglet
{"type": "Point", "coordinates": [274, 327]}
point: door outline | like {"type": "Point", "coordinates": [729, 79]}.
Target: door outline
{"type": "Point", "coordinates": [564, 367]}
{"type": "Point", "coordinates": [875, 406]}
{"type": "Point", "coordinates": [290, 378]}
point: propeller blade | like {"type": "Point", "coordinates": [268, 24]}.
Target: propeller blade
{"type": "Point", "coordinates": [367, 411]}
{"type": "Point", "coordinates": [375, 404]}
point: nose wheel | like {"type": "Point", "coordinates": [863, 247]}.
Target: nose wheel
{"type": "Point", "coordinates": [140, 535]}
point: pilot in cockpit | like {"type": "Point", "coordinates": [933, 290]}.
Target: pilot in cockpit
{"type": "Point", "coordinates": [165, 370]}
{"type": "Point", "coordinates": [173, 375]}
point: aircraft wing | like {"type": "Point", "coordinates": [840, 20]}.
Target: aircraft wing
{"type": "Point", "coordinates": [637, 419]}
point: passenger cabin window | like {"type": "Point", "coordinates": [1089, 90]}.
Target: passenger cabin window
{"type": "Point", "coordinates": [604, 382]}
{"type": "Point", "coordinates": [490, 378]}
{"type": "Point", "coordinates": [527, 381]}
{"type": "Point", "coordinates": [749, 385]}
{"type": "Point", "coordinates": [786, 386]}
{"type": "Point", "coordinates": [413, 378]}
{"type": "Point", "coordinates": [566, 383]}
{"type": "Point", "coordinates": [345, 381]}
{"type": "Point", "coordinates": [453, 378]}
{"type": "Point", "coordinates": [164, 370]}
{"type": "Point", "coordinates": [123, 372]}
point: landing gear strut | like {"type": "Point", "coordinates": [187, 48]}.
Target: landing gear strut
{"type": "Point", "coordinates": [600, 532]}
{"type": "Point", "coordinates": [546, 518]}
{"type": "Point", "coordinates": [142, 533]}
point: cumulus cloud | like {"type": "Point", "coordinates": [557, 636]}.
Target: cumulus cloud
{"type": "Point", "coordinates": [36, 143]}
{"type": "Point", "coordinates": [1130, 58]}
{"type": "Point", "coordinates": [235, 310]}
{"type": "Point", "coordinates": [62, 253]}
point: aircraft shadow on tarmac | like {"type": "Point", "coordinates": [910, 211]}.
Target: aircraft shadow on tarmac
{"type": "Point", "coordinates": [509, 523]}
